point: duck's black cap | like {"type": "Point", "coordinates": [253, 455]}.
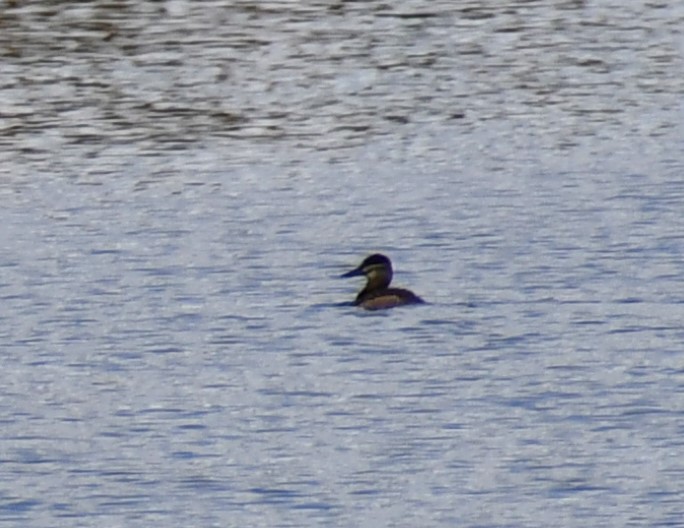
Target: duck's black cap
{"type": "Point", "coordinates": [372, 260]}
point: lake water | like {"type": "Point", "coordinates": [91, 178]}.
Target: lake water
{"type": "Point", "coordinates": [183, 182]}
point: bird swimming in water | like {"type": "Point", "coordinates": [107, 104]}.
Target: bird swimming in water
{"type": "Point", "coordinates": [377, 294]}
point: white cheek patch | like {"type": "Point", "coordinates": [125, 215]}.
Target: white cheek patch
{"type": "Point", "coordinates": [374, 269]}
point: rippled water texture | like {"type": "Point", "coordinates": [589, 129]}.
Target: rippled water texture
{"type": "Point", "coordinates": [183, 182]}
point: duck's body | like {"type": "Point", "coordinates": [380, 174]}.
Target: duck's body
{"type": "Point", "coordinates": [377, 294]}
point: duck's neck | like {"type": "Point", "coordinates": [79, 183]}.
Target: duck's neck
{"type": "Point", "coordinates": [377, 280]}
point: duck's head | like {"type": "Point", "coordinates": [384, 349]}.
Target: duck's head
{"type": "Point", "coordinates": [377, 269]}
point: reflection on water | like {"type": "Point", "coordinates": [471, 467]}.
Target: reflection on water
{"type": "Point", "coordinates": [328, 75]}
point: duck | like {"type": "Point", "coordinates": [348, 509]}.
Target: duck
{"type": "Point", "coordinates": [377, 295]}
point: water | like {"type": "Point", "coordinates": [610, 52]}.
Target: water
{"type": "Point", "coordinates": [182, 183]}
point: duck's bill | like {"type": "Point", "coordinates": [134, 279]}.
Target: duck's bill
{"type": "Point", "coordinates": [353, 273]}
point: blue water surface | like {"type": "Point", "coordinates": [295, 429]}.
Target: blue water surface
{"type": "Point", "coordinates": [183, 183]}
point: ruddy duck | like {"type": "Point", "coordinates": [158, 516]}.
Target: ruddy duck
{"type": "Point", "coordinates": [377, 294]}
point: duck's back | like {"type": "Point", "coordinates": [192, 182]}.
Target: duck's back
{"type": "Point", "coordinates": [388, 298]}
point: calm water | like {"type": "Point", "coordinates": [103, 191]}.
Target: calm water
{"type": "Point", "coordinates": [181, 184]}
